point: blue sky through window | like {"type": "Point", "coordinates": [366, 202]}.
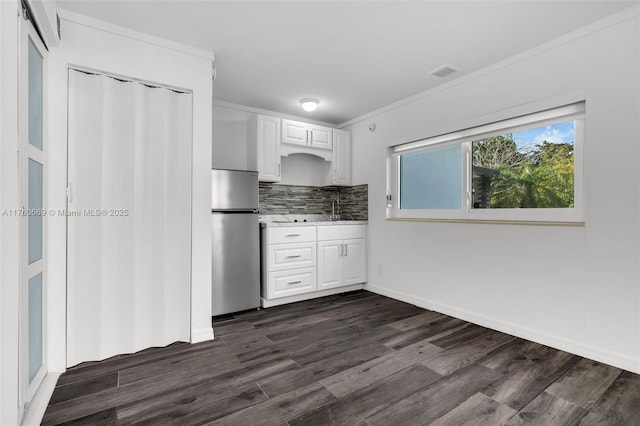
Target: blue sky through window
{"type": "Point", "coordinates": [556, 133]}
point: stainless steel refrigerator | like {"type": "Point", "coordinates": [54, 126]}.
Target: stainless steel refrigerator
{"type": "Point", "coordinates": [236, 241]}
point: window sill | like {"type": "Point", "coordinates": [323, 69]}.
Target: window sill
{"type": "Point", "coordinates": [492, 222]}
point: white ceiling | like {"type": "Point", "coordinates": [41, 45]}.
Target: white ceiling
{"type": "Point", "coordinates": [355, 56]}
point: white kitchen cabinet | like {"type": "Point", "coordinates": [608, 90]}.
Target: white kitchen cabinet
{"type": "Point", "coordinates": [305, 134]}
{"type": "Point", "coordinates": [341, 256]}
{"type": "Point", "coordinates": [307, 261]}
{"type": "Point", "coordinates": [341, 263]}
{"type": "Point", "coordinates": [291, 282]}
{"type": "Point", "coordinates": [289, 261]}
{"type": "Point", "coordinates": [320, 137]}
{"type": "Point", "coordinates": [354, 261]}
{"type": "Point", "coordinates": [330, 264]}
{"type": "Point", "coordinates": [290, 256]}
{"type": "Point", "coordinates": [295, 132]}
{"type": "Point", "coordinates": [264, 147]}
{"type": "Point", "coordinates": [291, 234]}
{"type": "Point", "coordinates": [340, 172]}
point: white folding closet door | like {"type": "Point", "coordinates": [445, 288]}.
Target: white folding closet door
{"type": "Point", "coordinates": [129, 218]}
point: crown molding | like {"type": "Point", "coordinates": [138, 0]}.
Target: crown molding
{"type": "Point", "coordinates": [592, 28]}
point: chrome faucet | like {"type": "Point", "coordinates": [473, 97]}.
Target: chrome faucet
{"type": "Point", "coordinates": [335, 216]}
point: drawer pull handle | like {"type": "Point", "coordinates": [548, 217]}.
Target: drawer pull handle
{"type": "Point", "coordinates": [293, 256]}
{"type": "Point", "coordinates": [293, 235]}
{"type": "Point", "coordinates": [295, 282]}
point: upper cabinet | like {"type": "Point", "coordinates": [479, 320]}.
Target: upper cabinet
{"type": "Point", "coordinates": [295, 132]}
{"type": "Point", "coordinates": [271, 138]}
{"type": "Point", "coordinates": [264, 147]}
{"type": "Point", "coordinates": [341, 160]}
{"type": "Point", "coordinates": [305, 134]}
{"type": "Point", "coordinates": [320, 137]}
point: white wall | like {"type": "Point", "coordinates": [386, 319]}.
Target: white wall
{"type": "Point", "coordinates": [572, 288]}
{"type": "Point", "coordinates": [9, 226]}
{"type": "Point", "coordinates": [143, 58]}
{"type": "Point", "coordinates": [229, 140]}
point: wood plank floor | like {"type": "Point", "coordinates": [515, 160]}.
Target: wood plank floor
{"type": "Point", "coordinates": [351, 359]}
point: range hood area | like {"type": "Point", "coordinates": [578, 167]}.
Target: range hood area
{"type": "Point", "coordinates": [287, 150]}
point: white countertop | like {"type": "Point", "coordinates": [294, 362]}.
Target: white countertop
{"type": "Point", "coordinates": [271, 224]}
{"type": "Point", "coordinates": [311, 220]}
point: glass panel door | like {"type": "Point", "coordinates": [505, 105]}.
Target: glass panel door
{"type": "Point", "coordinates": [35, 239]}
{"type": "Point", "coordinates": [33, 222]}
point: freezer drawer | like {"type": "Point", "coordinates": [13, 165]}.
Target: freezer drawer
{"type": "Point", "coordinates": [235, 262]}
{"type": "Point", "coordinates": [234, 190]}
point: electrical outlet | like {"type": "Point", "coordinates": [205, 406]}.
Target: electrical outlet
{"type": "Point", "coordinates": [380, 269]}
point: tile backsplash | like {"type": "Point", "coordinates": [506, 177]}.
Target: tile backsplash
{"type": "Point", "coordinates": [354, 202]}
{"type": "Point", "coordinates": [293, 199]}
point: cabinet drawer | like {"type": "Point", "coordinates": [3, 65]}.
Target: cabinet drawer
{"type": "Point", "coordinates": [288, 283]}
{"type": "Point", "coordinates": [341, 232]}
{"type": "Point", "coordinates": [291, 234]}
{"type": "Point", "coordinates": [289, 256]}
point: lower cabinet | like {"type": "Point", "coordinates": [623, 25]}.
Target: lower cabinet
{"type": "Point", "coordinates": [355, 262]}
{"type": "Point", "coordinates": [301, 262]}
{"type": "Point", "coordinates": [341, 262]}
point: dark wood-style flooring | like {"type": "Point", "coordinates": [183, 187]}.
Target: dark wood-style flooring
{"type": "Point", "coordinates": [352, 359]}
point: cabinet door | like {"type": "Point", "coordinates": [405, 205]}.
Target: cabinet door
{"type": "Point", "coordinates": [268, 135]}
{"type": "Point", "coordinates": [295, 132]}
{"type": "Point", "coordinates": [320, 137]}
{"type": "Point", "coordinates": [341, 162]}
{"type": "Point", "coordinates": [354, 262]}
{"type": "Point", "coordinates": [329, 264]}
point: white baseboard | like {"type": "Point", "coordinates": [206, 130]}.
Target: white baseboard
{"type": "Point", "coordinates": [40, 401]}
{"type": "Point", "coordinates": [567, 345]}
{"type": "Point", "coordinates": [202, 335]}
{"type": "Point", "coordinates": [306, 296]}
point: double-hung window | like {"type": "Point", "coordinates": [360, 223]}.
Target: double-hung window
{"type": "Point", "coordinates": [523, 169]}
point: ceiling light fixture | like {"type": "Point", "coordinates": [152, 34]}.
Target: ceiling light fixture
{"type": "Point", "coordinates": [309, 104]}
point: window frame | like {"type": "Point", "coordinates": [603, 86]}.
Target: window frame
{"type": "Point", "coordinates": [564, 216]}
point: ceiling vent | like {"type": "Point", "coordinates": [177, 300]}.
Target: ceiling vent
{"type": "Point", "coordinates": [443, 71]}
